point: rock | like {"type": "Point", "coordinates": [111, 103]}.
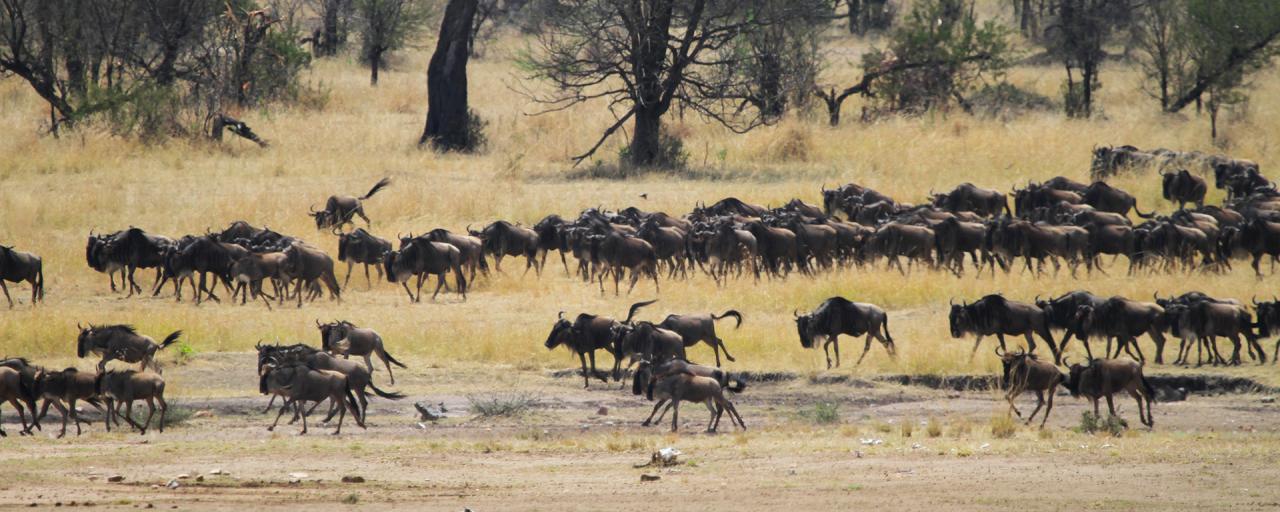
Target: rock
{"type": "Point", "coordinates": [200, 478]}
{"type": "Point", "coordinates": [602, 411]}
{"type": "Point", "coordinates": [669, 455]}
{"type": "Point", "coordinates": [649, 477]}
{"type": "Point", "coordinates": [871, 441]}
{"type": "Point", "coordinates": [295, 480]}
{"type": "Point", "coordinates": [352, 479]}
{"type": "Point", "coordinates": [173, 484]}
{"type": "Point", "coordinates": [1268, 399]}
{"type": "Point", "coordinates": [203, 414]}
{"type": "Point", "coordinates": [216, 472]}
{"type": "Point", "coordinates": [115, 478]}
{"type": "Point", "coordinates": [184, 476]}
{"type": "Point", "coordinates": [298, 476]}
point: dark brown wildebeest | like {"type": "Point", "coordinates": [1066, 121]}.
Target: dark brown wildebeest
{"type": "Point", "coordinates": [1107, 198]}
{"type": "Point", "coordinates": [641, 380]}
{"type": "Point", "coordinates": [1208, 318]}
{"type": "Point", "coordinates": [360, 246]}
{"type": "Point", "coordinates": [67, 386]}
{"type": "Point", "coordinates": [421, 258]}
{"type": "Point", "coordinates": [1124, 320]}
{"type": "Point", "coordinates": [836, 316]}
{"type": "Point", "coordinates": [733, 206]}
{"type": "Point", "coordinates": [813, 241]}
{"type": "Point", "coordinates": [205, 255]}
{"type": "Point", "coordinates": [994, 314]}
{"type": "Point", "coordinates": [702, 328]}
{"type": "Point", "coordinates": [552, 236]}
{"type": "Point", "coordinates": [894, 239]}
{"type": "Point", "coordinates": [346, 339]}
{"type": "Point", "coordinates": [621, 253]}
{"type": "Point", "coordinates": [306, 265]}
{"type": "Point", "coordinates": [18, 266]}
{"type": "Point", "coordinates": [13, 391]}
{"type": "Point", "coordinates": [587, 334]}
{"type": "Point", "coordinates": [359, 378]}
{"type": "Point", "coordinates": [1182, 187]}
{"type": "Point", "coordinates": [1106, 377]}
{"type": "Point", "coordinates": [644, 341]}
{"type": "Point", "coordinates": [502, 239]}
{"type": "Point", "coordinates": [1259, 237]}
{"type": "Point", "coordinates": [249, 271]}
{"type": "Point", "coordinates": [470, 249]}
{"type": "Point", "coordinates": [668, 245]}
{"type": "Point", "coordinates": [968, 197]}
{"type": "Point", "coordinates": [299, 383]}
{"type": "Point", "coordinates": [121, 342]}
{"type": "Point", "coordinates": [1024, 372]}
{"type": "Point", "coordinates": [339, 210]}
{"type": "Point", "coordinates": [953, 239]}
{"type": "Point", "coordinates": [1061, 314]}
{"type": "Point", "coordinates": [684, 386]}
{"type": "Point", "coordinates": [125, 387]}
{"type": "Point", "coordinates": [729, 246]}
{"type": "Point", "coordinates": [126, 251]}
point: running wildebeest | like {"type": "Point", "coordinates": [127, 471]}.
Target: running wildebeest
{"type": "Point", "coordinates": [1024, 372]}
{"type": "Point", "coordinates": [994, 314]}
{"type": "Point", "coordinates": [127, 386]}
{"type": "Point", "coordinates": [677, 386]}
{"type": "Point", "coordinates": [1106, 377]}
{"type": "Point", "coordinates": [339, 210]}
{"type": "Point", "coordinates": [360, 246]}
{"type": "Point", "coordinates": [641, 382]}
{"type": "Point", "coordinates": [307, 264]}
{"type": "Point", "coordinates": [299, 383]}
{"type": "Point", "coordinates": [836, 316]}
{"type": "Point", "coordinates": [421, 258]}
{"type": "Point", "coordinates": [502, 239]}
{"type": "Point", "coordinates": [18, 266]}
{"type": "Point", "coordinates": [121, 342]}
{"type": "Point", "coordinates": [702, 328]}
{"type": "Point", "coordinates": [587, 334]}
{"type": "Point", "coordinates": [345, 338]}
{"type": "Point", "coordinates": [126, 251]}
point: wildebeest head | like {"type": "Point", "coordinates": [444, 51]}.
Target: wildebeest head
{"type": "Point", "coordinates": [960, 320]}
{"type": "Point", "coordinates": [332, 332]}
{"type": "Point", "coordinates": [1267, 315]}
{"type": "Point", "coordinates": [1076, 375]}
{"type": "Point", "coordinates": [640, 379]}
{"type": "Point", "coordinates": [84, 342]}
{"type": "Point", "coordinates": [560, 332]}
{"type": "Point", "coordinates": [804, 327]}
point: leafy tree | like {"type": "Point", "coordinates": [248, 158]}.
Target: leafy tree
{"type": "Point", "coordinates": [1076, 37]}
{"type": "Point", "coordinates": [387, 25]}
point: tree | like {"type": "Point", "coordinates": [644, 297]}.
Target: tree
{"type": "Point", "coordinates": [335, 20]}
{"type": "Point", "coordinates": [387, 25]}
{"type": "Point", "coordinates": [644, 56]}
{"type": "Point", "coordinates": [1164, 56]}
{"type": "Point", "coordinates": [935, 55]}
{"type": "Point", "coordinates": [1227, 41]}
{"type": "Point", "coordinates": [866, 15]}
{"type": "Point", "coordinates": [1076, 38]}
{"type": "Point", "coordinates": [450, 124]}
{"type": "Point", "coordinates": [782, 60]}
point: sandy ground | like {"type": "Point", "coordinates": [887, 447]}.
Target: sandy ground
{"type": "Point", "coordinates": [1211, 452]}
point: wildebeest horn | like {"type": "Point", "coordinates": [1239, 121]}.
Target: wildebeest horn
{"type": "Point", "coordinates": [313, 208]}
{"type": "Point", "coordinates": [1255, 300]}
{"type": "Point", "coordinates": [951, 301]}
{"type": "Point", "coordinates": [999, 351]}
{"type": "Point", "coordinates": [561, 315]}
{"type": "Point", "coordinates": [317, 322]}
{"type": "Point", "coordinates": [795, 313]}
{"type": "Point", "coordinates": [1065, 362]}
{"type": "Point", "coordinates": [1155, 296]}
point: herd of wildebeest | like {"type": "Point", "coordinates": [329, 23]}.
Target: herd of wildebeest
{"type": "Point", "coordinates": [1060, 221]}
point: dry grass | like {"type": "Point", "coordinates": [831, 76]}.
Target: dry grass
{"type": "Point", "coordinates": [56, 190]}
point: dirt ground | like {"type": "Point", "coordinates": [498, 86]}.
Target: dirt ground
{"type": "Point", "coordinates": [886, 446]}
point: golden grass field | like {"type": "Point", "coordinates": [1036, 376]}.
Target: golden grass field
{"type": "Point", "coordinates": [55, 190]}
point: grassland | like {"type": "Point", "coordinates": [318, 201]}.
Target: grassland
{"type": "Point", "coordinates": [57, 189]}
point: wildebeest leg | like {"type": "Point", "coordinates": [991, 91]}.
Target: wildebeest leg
{"type": "Point", "coordinates": [151, 411]}
{"type": "Point", "coordinates": [1253, 342]}
{"type": "Point", "coordinates": [283, 407]}
{"type": "Point", "coordinates": [714, 420]}
{"type": "Point", "coordinates": [304, 419]}
{"type": "Point", "coordinates": [594, 372]}
{"type": "Point", "coordinates": [586, 377]}
{"type": "Point", "coordinates": [675, 413]}
{"type": "Point", "coordinates": [835, 342]}
{"type": "Point", "coordinates": [1000, 338]}
{"type": "Point", "coordinates": [347, 280]}
{"type": "Point", "coordinates": [635, 276]}
{"type": "Point", "coordinates": [1039, 404]}
{"type": "Point", "coordinates": [405, 284]}
{"type": "Point", "coordinates": [1111, 406]}
{"type": "Point", "coordinates": [975, 347]}
{"type": "Point", "coordinates": [439, 285]}
{"type": "Point", "coordinates": [6, 292]}
{"type": "Point", "coordinates": [866, 348]}
{"type": "Point", "coordinates": [653, 412]}
{"type": "Point", "coordinates": [827, 352]}
{"type": "Point", "coordinates": [421, 278]}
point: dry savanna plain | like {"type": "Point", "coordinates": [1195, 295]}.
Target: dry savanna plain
{"type": "Point", "coordinates": [817, 439]}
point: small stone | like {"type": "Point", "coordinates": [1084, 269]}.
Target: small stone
{"type": "Point", "coordinates": [298, 476]}
{"type": "Point", "coordinates": [216, 472]}
{"type": "Point", "coordinates": [200, 478]}
{"type": "Point", "coordinates": [203, 414]}
{"type": "Point", "coordinates": [173, 484]}
{"type": "Point", "coordinates": [602, 411]}
{"type": "Point", "coordinates": [352, 479]}
{"type": "Point", "coordinates": [115, 478]}
{"type": "Point", "coordinates": [1268, 399]}
{"type": "Point", "coordinates": [184, 476]}
{"type": "Point", "coordinates": [649, 477]}
{"type": "Point", "coordinates": [295, 481]}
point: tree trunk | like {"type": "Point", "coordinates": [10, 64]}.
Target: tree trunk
{"type": "Point", "coordinates": [375, 60]}
{"type": "Point", "coordinates": [447, 113]}
{"type": "Point", "coordinates": [855, 15]}
{"type": "Point", "coordinates": [328, 43]}
{"type": "Point", "coordinates": [647, 138]}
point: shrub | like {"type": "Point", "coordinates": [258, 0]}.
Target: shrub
{"type": "Point", "coordinates": [934, 428]}
{"type": "Point", "coordinates": [502, 405]}
{"type": "Point", "coordinates": [1003, 426]}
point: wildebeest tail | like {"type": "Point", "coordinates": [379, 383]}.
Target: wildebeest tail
{"type": "Point", "coordinates": [392, 360]}
{"type": "Point", "coordinates": [631, 313]}
{"type": "Point", "coordinates": [168, 340]}
{"type": "Point", "coordinates": [730, 313]}
{"type": "Point", "coordinates": [381, 184]}
{"type": "Point", "coordinates": [394, 395]}
{"type": "Point", "coordinates": [39, 279]}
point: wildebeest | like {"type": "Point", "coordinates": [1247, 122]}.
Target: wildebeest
{"type": "Point", "coordinates": [205, 255]}
{"type": "Point", "coordinates": [306, 264]}
{"type": "Point", "coordinates": [470, 249]}
{"type": "Point", "coordinates": [421, 258]}
{"type": "Point", "coordinates": [127, 386]}
{"type": "Point", "coordinates": [339, 210]}
{"type": "Point", "coordinates": [622, 252]}
{"type": "Point", "coordinates": [894, 239]}
{"type": "Point", "coordinates": [642, 382]}
{"type": "Point", "coordinates": [121, 342]}
{"type": "Point", "coordinates": [1124, 320]}
{"type": "Point", "coordinates": [126, 251]}
{"type": "Point", "coordinates": [1182, 187]}
{"type": "Point", "coordinates": [249, 271]}
{"type": "Point", "coordinates": [358, 376]}
{"type": "Point", "coordinates": [644, 341]}
{"type": "Point", "coordinates": [502, 239]}
{"type": "Point", "coordinates": [1061, 311]}
{"type": "Point", "coordinates": [68, 385]}
{"type": "Point", "coordinates": [994, 314]}
{"type": "Point", "coordinates": [587, 334]}
{"type": "Point", "coordinates": [360, 246]}
{"type": "Point", "coordinates": [701, 328]}
{"type": "Point", "coordinates": [684, 386]}
{"type": "Point", "coordinates": [345, 338]}
{"type": "Point", "coordinates": [1025, 372]}
{"type": "Point", "coordinates": [18, 266]}
{"type": "Point", "coordinates": [1208, 318]}
{"type": "Point", "coordinates": [953, 239]}
{"type": "Point", "coordinates": [1259, 237]}
{"type": "Point", "coordinates": [1106, 377]}
{"type": "Point", "coordinates": [299, 383]}
{"type": "Point", "coordinates": [836, 316]}
{"type": "Point", "coordinates": [1107, 198]}
{"type": "Point", "coordinates": [968, 197]}
{"type": "Point", "coordinates": [12, 391]}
